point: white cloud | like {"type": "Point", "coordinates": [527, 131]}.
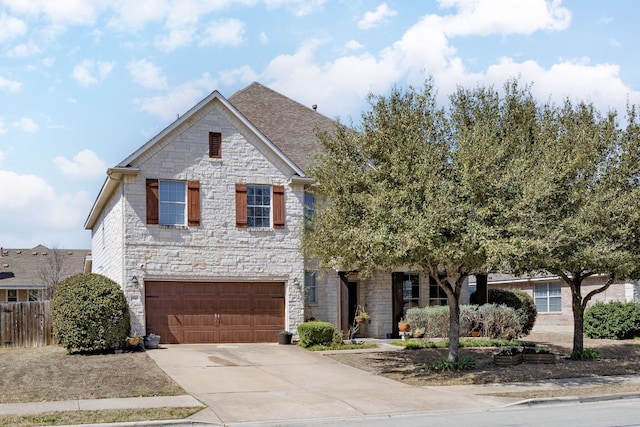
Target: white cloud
{"type": "Point", "coordinates": [11, 27]}
{"type": "Point", "coordinates": [133, 15]}
{"type": "Point", "coordinates": [244, 74]}
{"type": "Point", "coordinates": [615, 43]}
{"type": "Point", "coordinates": [147, 74]}
{"type": "Point", "coordinates": [376, 18]}
{"type": "Point", "coordinates": [179, 100]}
{"type": "Point", "coordinates": [264, 38]}
{"type": "Point", "coordinates": [10, 86]}
{"type": "Point", "coordinates": [24, 50]}
{"type": "Point", "coordinates": [60, 11]}
{"type": "Point", "coordinates": [89, 72]}
{"type": "Point", "coordinates": [26, 124]}
{"type": "Point", "coordinates": [24, 199]}
{"type": "Point", "coordinates": [1, 156]}
{"type": "Point", "coordinates": [228, 32]}
{"type": "Point", "coordinates": [298, 7]}
{"type": "Point", "coordinates": [3, 127]}
{"type": "Point", "coordinates": [49, 61]}
{"type": "Point", "coordinates": [353, 45]}
{"type": "Point", "coordinates": [175, 39]}
{"type": "Point", "coordinates": [483, 17]}
{"type": "Point", "coordinates": [303, 77]}
{"type": "Point", "coordinates": [85, 164]}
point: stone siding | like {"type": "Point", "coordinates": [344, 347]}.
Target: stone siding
{"type": "Point", "coordinates": [216, 250]}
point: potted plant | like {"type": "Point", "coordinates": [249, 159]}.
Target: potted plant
{"type": "Point", "coordinates": [418, 333]}
{"type": "Point", "coordinates": [284, 337]}
{"type": "Point", "coordinates": [134, 339]}
{"type": "Point", "coordinates": [403, 326]}
{"type": "Point", "coordinates": [362, 316]}
{"type": "Point", "coordinates": [508, 356]}
{"type": "Point", "coordinates": [151, 341]}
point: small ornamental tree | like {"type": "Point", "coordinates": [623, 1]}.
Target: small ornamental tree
{"type": "Point", "coordinates": [90, 314]}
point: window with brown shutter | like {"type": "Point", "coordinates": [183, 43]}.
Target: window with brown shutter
{"type": "Point", "coordinates": [278, 206]}
{"type": "Point", "coordinates": [193, 203]}
{"type": "Point", "coordinates": [173, 215]}
{"type": "Point", "coordinates": [153, 201]}
{"type": "Point", "coordinates": [260, 206]}
{"type": "Point", "coordinates": [241, 205]}
{"type": "Point", "coordinates": [215, 145]}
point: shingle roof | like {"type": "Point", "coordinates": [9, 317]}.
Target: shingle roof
{"type": "Point", "coordinates": [290, 125]}
{"type": "Point", "coordinates": [21, 268]}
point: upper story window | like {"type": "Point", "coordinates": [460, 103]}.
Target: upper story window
{"type": "Point", "coordinates": [215, 145]}
{"type": "Point", "coordinates": [172, 202]}
{"type": "Point", "coordinates": [260, 206]}
{"type": "Point", "coordinates": [548, 297]}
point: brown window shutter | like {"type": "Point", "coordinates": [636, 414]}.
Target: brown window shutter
{"type": "Point", "coordinates": [152, 201]}
{"type": "Point", "coordinates": [241, 205]}
{"type": "Point", "coordinates": [278, 206]}
{"type": "Point", "coordinates": [215, 145]}
{"type": "Point", "coordinates": [193, 203]}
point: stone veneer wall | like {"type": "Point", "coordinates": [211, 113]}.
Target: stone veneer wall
{"type": "Point", "coordinates": [216, 250]}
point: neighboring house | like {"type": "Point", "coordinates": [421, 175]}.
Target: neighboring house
{"type": "Point", "coordinates": [553, 297]}
{"type": "Point", "coordinates": [25, 274]}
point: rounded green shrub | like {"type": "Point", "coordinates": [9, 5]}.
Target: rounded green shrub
{"type": "Point", "coordinates": [520, 301]}
{"type": "Point", "coordinates": [612, 320]}
{"type": "Point", "coordinates": [417, 318]}
{"type": "Point", "coordinates": [90, 314]}
{"type": "Point", "coordinates": [318, 333]}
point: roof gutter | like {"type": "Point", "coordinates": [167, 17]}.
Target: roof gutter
{"type": "Point", "coordinates": [114, 178]}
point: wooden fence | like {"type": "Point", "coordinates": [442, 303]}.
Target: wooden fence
{"type": "Point", "coordinates": [26, 324]}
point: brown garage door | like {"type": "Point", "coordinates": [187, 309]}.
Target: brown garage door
{"type": "Point", "coordinates": [194, 312]}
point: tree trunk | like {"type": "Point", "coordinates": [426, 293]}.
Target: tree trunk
{"type": "Point", "coordinates": [578, 326]}
{"type": "Point", "coordinates": [454, 328]}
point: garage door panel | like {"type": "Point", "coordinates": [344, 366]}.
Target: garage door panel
{"type": "Point", "coordinates": [184, 312]}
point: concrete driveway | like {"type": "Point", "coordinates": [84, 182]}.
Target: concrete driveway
{"type": "Point", "coordinates": [270, 382]}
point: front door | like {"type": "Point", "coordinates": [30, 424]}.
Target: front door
{"type": "Point", "coordinates": [397, 301]}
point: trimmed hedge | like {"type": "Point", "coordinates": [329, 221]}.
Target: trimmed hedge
{"type": "Point", "coordinates": [612, 320]}
{"type": "Point", "coordinates": [318, 333]}
{"type": "Point", "coordinates": [520, 301]}
{"type": "Point", "coordinates": [90, 314]}
{"type": "Point", "coordinates": [493, 321]}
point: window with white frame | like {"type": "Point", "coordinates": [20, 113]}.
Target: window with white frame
{"type": "Point", "coordinates": [311, 287]}
{"type": "Point", "coordinates": [548, 297]}
{"type": "Point", "coordinates": [259, 206]}
{"type": "Point", "coordinates": [172, 202]}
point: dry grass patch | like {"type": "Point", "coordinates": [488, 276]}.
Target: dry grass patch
{"type": "Point", "coordinates": [50, 374]}
{"type": "Point", "coordinates": [97, 417]}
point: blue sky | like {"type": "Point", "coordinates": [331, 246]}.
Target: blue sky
{"type": "Point", "coordinates": [84, 83]}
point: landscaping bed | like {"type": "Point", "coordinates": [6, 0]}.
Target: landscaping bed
{"type": "Point", "coordinates": [618, 358]}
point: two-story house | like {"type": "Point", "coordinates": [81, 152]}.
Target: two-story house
{"type": "Point", "coordinates": [202, 225]}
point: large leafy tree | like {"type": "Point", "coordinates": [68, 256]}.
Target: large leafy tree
{"type": "Point", "coordinates": [578, 216]}
{"type": "Point", "coordinates": [422, 187]}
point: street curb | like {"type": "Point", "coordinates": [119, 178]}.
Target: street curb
{"type": "Point", "coordinates": [574, 399]}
